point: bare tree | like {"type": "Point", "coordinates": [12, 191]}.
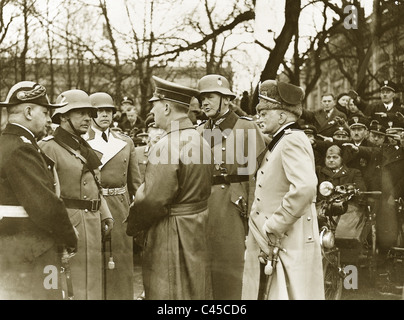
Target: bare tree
{"type": "Point", "coordinates": [282, 42]}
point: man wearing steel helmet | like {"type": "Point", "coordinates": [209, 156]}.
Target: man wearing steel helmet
{"type": "Point", "coordinates": [231, 138]}
{"type": "Point", "coordinates": [284, 204]}
{"type": "Point", "coordinates": [33, 219]}
{"type": "Point", "coordinates": [77, 166]}
{"type": "Point", "coordinates": [171, 205]}
{"type": "Point", "coordinates": [120, 178]}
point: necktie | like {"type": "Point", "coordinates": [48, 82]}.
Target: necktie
{"type": "Point", "coordinates": [104, 136]}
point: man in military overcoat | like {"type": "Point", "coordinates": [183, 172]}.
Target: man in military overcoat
{"type": "Point", "coordinates": [235, 142]}
{"type": "Point", "coordinates": [34, 223]}
{"type": "Point", "coordinates": [172, 203]}
{"type": "Point", "coordinates": [77, 166]}
{"type": "Point", "coordinates": [283, 213]}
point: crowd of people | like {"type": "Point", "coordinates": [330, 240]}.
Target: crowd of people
{"type": "Point", "coordinates": [199, 193]}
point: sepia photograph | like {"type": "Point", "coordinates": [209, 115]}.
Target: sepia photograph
{"type": "Point", "coordinates": [212, 151]}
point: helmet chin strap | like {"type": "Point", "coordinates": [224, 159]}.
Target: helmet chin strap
{"type": "Point", "coordinates": [96, 123]}
{"type": "Point", "coordinates": [74, 129]}
{"type": "Point", "coordinates": [219, 109]}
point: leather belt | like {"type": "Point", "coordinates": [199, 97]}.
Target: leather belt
{"type": "Point", "coordinates": [113, 191]}
{"type": "Point", "coordinates": [183, 209]}
{"type": "Point", "coordinates": [227, 179]}
{"type": "Point", "coordinates": [91, 205]}
{"type": "Point", "coordinates": [12, 212]}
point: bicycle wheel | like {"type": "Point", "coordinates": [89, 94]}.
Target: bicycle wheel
{"type": "Point", "coordinates": [332, 277]}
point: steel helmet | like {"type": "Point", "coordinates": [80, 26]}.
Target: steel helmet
{"type": "Point", "coordinates": [28, 92]}
{"type": "Point", "coordinates": [102, 100]}
{"type": "Point", "coordinates": [76, 99]}
{"type": "Point", "coordinates": [215, 83]}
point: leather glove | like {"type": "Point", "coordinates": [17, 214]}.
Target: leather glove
{"type": "Point", "coordinates": [106, 226]}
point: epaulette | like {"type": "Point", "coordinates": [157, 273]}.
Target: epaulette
{"type": "Point", "coordinates": [122, 134]}
{"type": "Point", "coordinates": [47, 138]}
{"type": "Point", "coordinates": [26, 140]}
{"type": "Point", "coordinates": [246, 118]}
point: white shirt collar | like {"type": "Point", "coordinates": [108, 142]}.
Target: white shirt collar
{"type": "Point", "coordinates": [388, 105]}
{"type": "Point", "coordinates": [21, 126]}
{"type": "Point", "coordinates": [98, 132]}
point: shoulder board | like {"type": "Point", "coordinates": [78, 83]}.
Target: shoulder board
{"type": "Point", "coordinates": [246, 118]}
{"type": "Point", "coordinates": [47, 138]}
{"type": "Point", "coordinates": [122, 134]}
{"type": "Point", "coordinates": [26, 140]}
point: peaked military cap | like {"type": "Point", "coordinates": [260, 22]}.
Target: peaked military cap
{"type": "Point", "coordinates": [357, 121]}
{"type": "Point", "coordinates": [167, 90]}
{"type": "Point", "coordinates": [387, 84]}
{"type": "Point", "coordinates": [376, 127]}
{"type": "Point", "coordinates": [127, 100]}
{"type": "Point", "coordinates": [280, 93]}
{"type": "Point", "coordinates": [341, 131]}
{"type": "Point", "coordinates": [29, 92]}
{"type": "Point", "coordinates": [309, 128]}
{"type": "Point", "coordinates": [394, 128]}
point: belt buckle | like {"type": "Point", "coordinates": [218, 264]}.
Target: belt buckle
{"type": "Point", "coordinates": [111, 192]}
{"type": "Point", "coordinates": [94, 205]}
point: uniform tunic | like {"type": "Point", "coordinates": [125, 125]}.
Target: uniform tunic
{"type": "Point", "coordinates": [29, 244]}
{"type": "Point", "coordinates": [229, 203]}
{"type": "Point", "coordinates": [285, 196]}
{"type": "Point", "coordinates": [141, 155]}
{"type": "Point", "coordinates": [172, 205]}
{"type": "Point", "coordinates": [119, 169]}
{"type": "Point", "coordinates": [77, 182]}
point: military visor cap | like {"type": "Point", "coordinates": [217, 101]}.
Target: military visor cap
{"type": "Point", "coordinates": [387, 84]}
{"type": "Point", "coordinates": [279, 93]}
{"type": "Point", "coordinates": [309, 128]}
{"type": "Point", "coordinates": [167, 90]}
{"type": "Point", "coordinates": [394, 128]}
{"type": "Point", "coordinates": [102, 100]}
{"type": "Point", "coordinates": [75, 99]}
{"type": "Point", "coordinates": [126, 100]}
{"type": "Point", "coordinates": [29, 92]}
{"type": "Point", "coordinates": [358, 122]}
{"type": "Point", "coordinates": [341, 131]}
{"type": "Point", "coordinates": [377, 128]}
